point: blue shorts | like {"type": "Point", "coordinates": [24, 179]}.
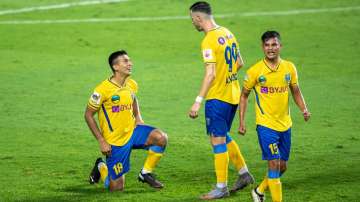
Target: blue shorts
{"type": "Point", "coordinates": [118, 162]}
{"type": "Point", "coordinates": [274, 144]}
{"type": "Point", "coordinates": [219, 116]}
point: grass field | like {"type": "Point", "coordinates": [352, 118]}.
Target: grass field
{"type": "Point", "coordinates": [48, 71]}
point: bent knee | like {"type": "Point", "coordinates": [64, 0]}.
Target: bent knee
{"type": "Point", "coordinates": [117, 187]}
{"type": "Point", "coordinates": [161, 138]}
{"type": "Point", "coordinates": [283, 168]}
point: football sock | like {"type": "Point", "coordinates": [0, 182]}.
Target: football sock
{"type": "Point", "coordinates": [103, 171]}
{"type": "Point", "coordinates": [236, 158]}
{"type": "Point", "coordinates": [221, 161]}
{"type": "Point", "coordinates": [154, 155]}
{"type": "Point", "coordinates": [275, 185]}
{"type": "Point", "coordinates": [263, 186]}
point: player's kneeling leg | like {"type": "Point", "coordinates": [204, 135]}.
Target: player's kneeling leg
{"type": "Point", "coordinates": [157, 141]}
{"type": "Point", "coordinates": [117, 185]}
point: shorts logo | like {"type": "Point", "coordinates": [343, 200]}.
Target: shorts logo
{"type": "Point", "coordinates": [262, 79]}
{"type": "Point", "coordinates": [115, 108]}
{"type": "Point", "coordinates": [207, 121]}
{"type": "Point", "coordinates": [207, 54]}
{"type": "Point", "coordinates": [287, 78]}
{"type": "Point", "coordinates": [221, 40]}
{"type": "Point", "coordinates": [95, 98]}
{"type": "Point", "coordinates": [264, 90]}
{"type": "Point", "coordinates": [115, 99]}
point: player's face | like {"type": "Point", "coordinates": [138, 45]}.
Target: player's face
{"type": "Point", "coordinates": [271, 48]}
{"type": "Point", "coordinates": [123, 65]}
{"type": "Point", "coordinates": [195, 18]}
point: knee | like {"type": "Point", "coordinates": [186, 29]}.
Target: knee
{"type": "Point", "coordinates": [161, 138]}
{"type": "Point", "coordinates": [274, 165]}
{"type": "Point", "coordinates": [116, 187]}
{"type": "Point", "coordinates": [283, 167]}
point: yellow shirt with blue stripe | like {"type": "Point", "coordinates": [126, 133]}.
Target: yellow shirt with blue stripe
{"type": "Point", "coordinates": [220, 46]}
{"type": "Point", "coordinates": [272, 93]}
{"type": "Point", "coordinates": [115, 110]}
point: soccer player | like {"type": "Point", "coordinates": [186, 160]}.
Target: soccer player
{"type": "Point", "coordinates": [121, 128]}
{"type": "Point", "coordinates": [221, 90]}
{"type": "Point", "coordinates": [271, 78]}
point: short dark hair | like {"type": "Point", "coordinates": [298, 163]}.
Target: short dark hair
{"type": "Point", "coordinates": [113, 56]}
{"type": "Point", "coordinates": [201, 6]}
{"type": "Point", "coordinates": [270, 34]}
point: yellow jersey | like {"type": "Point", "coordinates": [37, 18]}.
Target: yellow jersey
{"type": "Point", "coordinates": [115, 110]}
{"type": "Point", "coordinates": [272, 93]}
{"type": "Point", "coordinates": [220, 46]}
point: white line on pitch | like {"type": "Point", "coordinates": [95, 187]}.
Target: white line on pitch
{"type": "Point", "coordinates": [165, 18]}
{"type": "Point", "coordinates": [58, 6]}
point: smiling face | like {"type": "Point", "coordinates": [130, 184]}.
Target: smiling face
{"type": "Point", "coordinates": [271, 48]}
{"type": "Point", "coordinates": [123, 65]}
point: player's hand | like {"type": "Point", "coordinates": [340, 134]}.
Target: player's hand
{"type": "Point", "coordinates": [242, 129]}
{"type": "Point", "coordinates": [306, 115]}
{"type": "Point", "coordinates": [194, 110]}
{"type": "Point", "coordinates": [105, 148]}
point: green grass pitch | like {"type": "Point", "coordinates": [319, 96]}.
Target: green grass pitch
{"type": "Point", "coordinates": [48, 71]}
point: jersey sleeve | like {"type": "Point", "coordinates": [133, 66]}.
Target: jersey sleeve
{"type": "Point", "coordinates": [250, 79]}
{"type": "Point", "coordinates": [293, 74]}
{"type": "Point", "coordinates": [208, 49]}
{"type": "Point", "coordinates": [96, 99]}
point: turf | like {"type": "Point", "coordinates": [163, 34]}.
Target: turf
{"type": "Point", "coordinates": [48, 71]}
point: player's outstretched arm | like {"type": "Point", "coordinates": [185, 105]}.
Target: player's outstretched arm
{"type": "Point", "coordinates": [105, 148]}
{"type": "Point", "coordinates": [136, 111]}
{"type": "Point", "coordinates": [210, 74]}
{"type": "Point", "coordinates": [243, 106]}
{"type": "Point", "coordinates": [299, 100]}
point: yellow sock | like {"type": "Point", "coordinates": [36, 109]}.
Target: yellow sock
{"type": "Point", "coordinates": [275, 189]}
{"type": "Point", "coordinates": [103, 171]}
{"type": "Point", "coordinates": [263, 186]}
{"type": "Point", "coordinates": [151, 161]}
{"type": "Point", "coordinates": [235, 155]}
{"type": "Point", "coordinates": [221, 167]}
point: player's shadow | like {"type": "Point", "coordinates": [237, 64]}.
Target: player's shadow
{"type": "Point", "coordinates": [87, 190]}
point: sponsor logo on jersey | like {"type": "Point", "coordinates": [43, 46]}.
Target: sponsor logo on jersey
{"type": "Point", "coordinates": [95, 98]}
{"type": "Point", "coordinates": [120, 108]}
{"type": "Point", "coordinates": [231, 78]}
{"type": "Point", "coordinates": [207, 54]}
{"type": "Point", "coordinates": [262, 79]}
{"type": "Point", "coordinates": [287, 78]}
{"type": "Point", "coordinates": [271, 89]}
{"type": "Point", "coordinates": [115, 108]}
{"type": "Point", "coordinates": [115, 99]}
{"type": "Point", "coordinates": [221, 40]}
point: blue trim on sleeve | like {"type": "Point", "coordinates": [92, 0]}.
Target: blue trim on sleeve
{"type": "Point", "coordinates": [219, 148]}
{"type": "Point", "coordinates": [258, 101]}
{"type": "Point", "coordinates": [107, 117]}
{"type": "Point", "coordinates": [272, 174]}
{"type": "Point", "coordinates": [157, 149]}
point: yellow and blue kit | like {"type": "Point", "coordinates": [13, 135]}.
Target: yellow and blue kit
{"type": "Point", "coordinates": [271, 87]}
{"type": "Point", "coordinates": [117, 124]}
{"type": "Point", "coordinates": [220, 47]}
